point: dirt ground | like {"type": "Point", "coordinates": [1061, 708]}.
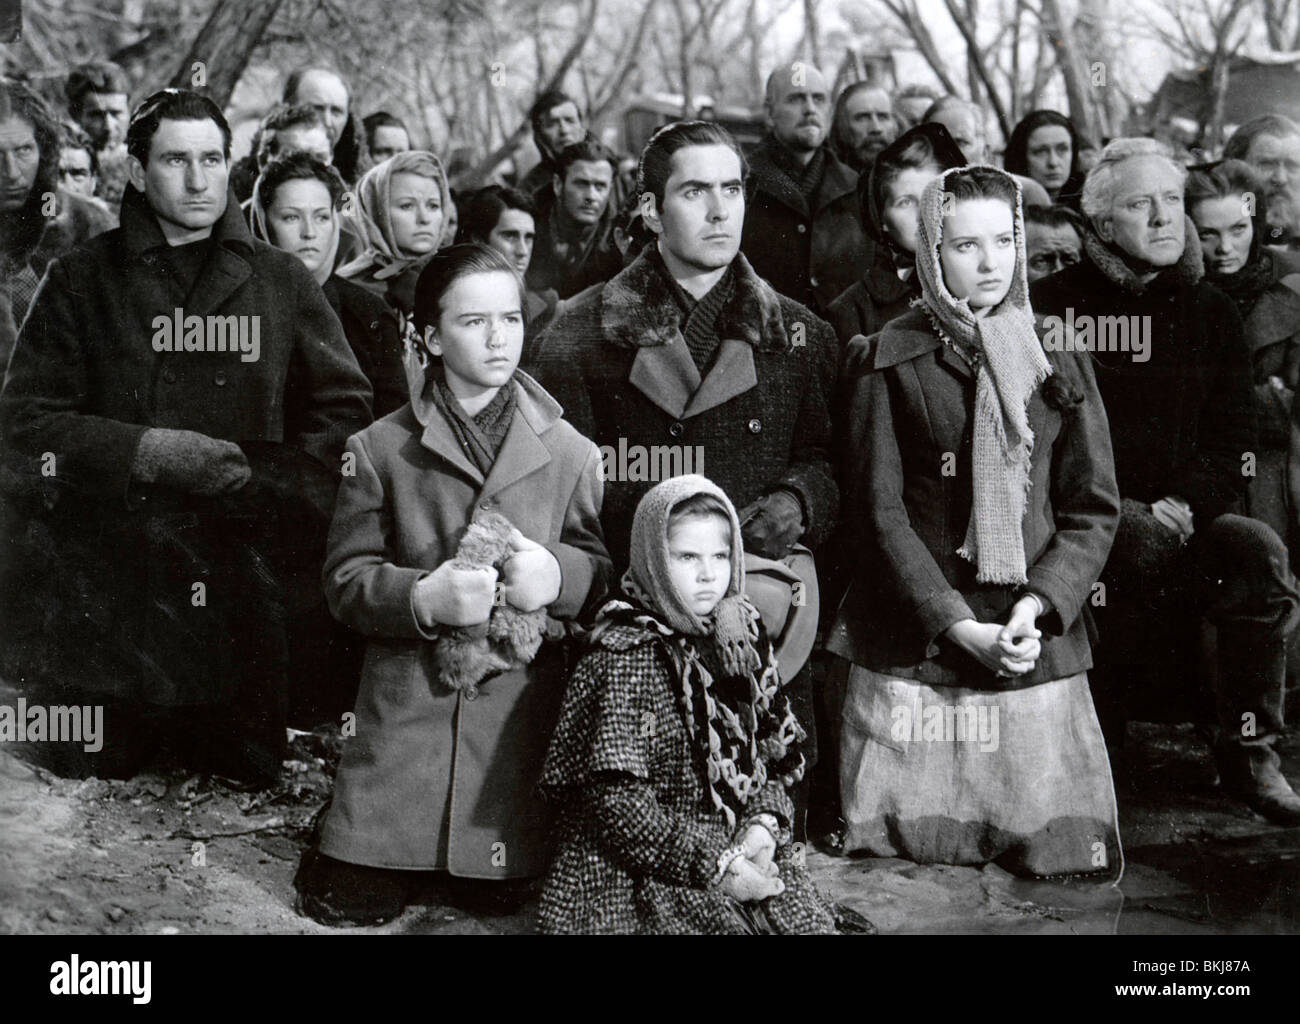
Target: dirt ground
{"type": "Point", "coordinates": [169, 852]}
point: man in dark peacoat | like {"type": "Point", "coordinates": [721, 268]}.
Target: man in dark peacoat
{"type": "Point", "coordinates": [803, 226]}
{"type": "Point", "coordinates": [166, 548]}
{"type": "Point", "coordinates": [1174, 372]}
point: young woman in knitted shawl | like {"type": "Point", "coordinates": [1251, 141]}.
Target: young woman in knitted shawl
{"type": "Point", "coordinates": [675, 747]}
{"type": "Point", "coordinates": [981, 486]}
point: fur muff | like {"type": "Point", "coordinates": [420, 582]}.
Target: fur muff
{"type": "Point", "coordinates": [464, 658]}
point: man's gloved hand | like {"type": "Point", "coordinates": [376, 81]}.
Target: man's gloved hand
{"type": "Point", "coordinates": [772, 525]}
{"type": "Point", "coordinates": [188, 461]}
{"type": "Point", "coordinates": [451, 596]}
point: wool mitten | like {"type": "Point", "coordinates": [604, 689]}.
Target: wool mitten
{"type": "Point", "coordinates": [455, 595]}
{"type": "Point", "coordinates": [188, 461]}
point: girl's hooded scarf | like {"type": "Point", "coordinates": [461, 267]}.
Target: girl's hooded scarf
{"type": "Point", "coordinates": [742, 726]}
{"type": "Point", "coordinates": [381, 258]}
{"type": "Point", "coordinates": [1009, 365]}
{"type": "Point", "coordinates": [262, 230]}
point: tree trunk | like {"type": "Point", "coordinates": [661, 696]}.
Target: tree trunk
{"type": "Point", "coordinates": [224, 46]}
{"type": "Point", "coordinates": [1072, 67]}
{"type": "Point", "coordinates": [813, 34]}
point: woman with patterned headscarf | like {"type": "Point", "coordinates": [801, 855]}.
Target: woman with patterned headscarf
{"type": "Point", "coordinates": [981, 476]}
{"type": "Point", "coordinates": [400, 214]}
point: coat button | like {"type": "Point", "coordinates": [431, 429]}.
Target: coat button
{"type": "Point", "coordinates": [470, 694]}
{"type": "Point", "coordinates": [812, 281]}
{"type": "Point", "coordinates": [486, 506]}
{"type": "Point", "coordinates": [169, 376]}
{"type": "Point", "coordinates": [219, 379]}
{"type": "Point", "coordinates": [803, 228]}
{"type": "Point", "coordinates": [677, 429]}
{"type": "Point", "coordinates": [755, 426]}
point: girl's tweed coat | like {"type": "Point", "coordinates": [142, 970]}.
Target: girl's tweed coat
{"type": "Point", "coordinates": [638, 842]}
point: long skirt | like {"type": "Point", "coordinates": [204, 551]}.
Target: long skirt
{"type": "Point", "coordinates": [951, 775]}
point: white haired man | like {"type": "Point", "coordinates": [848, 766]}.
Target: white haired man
{"type": "Point", "coordinates": [1174, 373]}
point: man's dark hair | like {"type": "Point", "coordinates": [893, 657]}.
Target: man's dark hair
{"type": "Point", "coordinates": [381, 119]}
{"type": "Point", "coordinates": [480, 213]}
{"type": "Point", "coordinates": [1055, 216]}
{"type": "Point", "coordinates": [98, 77]}
{"type": "Point", "coordinates": [172, 105]}
{"type": "Point", "coordinates": [590, 150]}
{"type": "Point", "coordinates": [298, 167]}
{"type": "Point", "coordinates": [657, 158]}
{"type": "Point", "coordinates": [1277, 125]}
{"type": "Point", "coordinates": [25, 226]}
{"type": "Point", "coordinates": [547, 102]}
{"type": "Point", "coordinates": [75, 137]}
{"type": "Point", "coordinates": [281, 118]}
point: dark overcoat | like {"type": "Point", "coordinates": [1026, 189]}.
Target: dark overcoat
{"type": "Point", "coordinates": [370, 325]}
{"type": "Point", "coordinates": [808, 252]}
{"type": "Point", "coordinates": [907, 483]}
{"type": "Point", "coordinates": [1182, 419]}
{"type": "Point", "coordinates": [85, 383]}
{"type": "Point", "coordinates": [432, 778]}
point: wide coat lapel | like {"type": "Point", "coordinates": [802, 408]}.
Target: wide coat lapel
{"type": "Point", "coordinates": [638, 312]}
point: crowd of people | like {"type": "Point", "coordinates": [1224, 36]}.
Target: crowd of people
{"type": "Point", "coordinates": [852, 490]}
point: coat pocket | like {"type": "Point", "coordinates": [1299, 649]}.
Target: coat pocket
{"type": "Point", "coordinates": [390, 669]}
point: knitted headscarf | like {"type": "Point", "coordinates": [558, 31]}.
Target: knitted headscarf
{"type": "Point", "coordinates": [261, 229]}
{"type": "Point", "coordinates": [741, 724]}
{"type": "Point", "coordinates": [381, 257]}
{"type": "Point", "coordinates": [1009, 365]}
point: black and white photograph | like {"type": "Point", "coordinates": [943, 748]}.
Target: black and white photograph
{"type": "Point", "coordinates": [651, 467]}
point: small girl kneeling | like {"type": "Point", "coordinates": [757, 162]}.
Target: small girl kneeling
{"type": "Point", "coordinates": [675, 747]}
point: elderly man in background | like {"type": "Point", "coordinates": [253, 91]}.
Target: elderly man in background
{"type": "Point", "coordinates": [1271, 145]}
{"type": "Point", "coordinates": [327, 92]}
{"type": "Point", "coordinates": [803, 229]}
{"type": "Point", "coordinates": [863, 125]}
{"type": "Point", "coordinates": [1175, 375]}
{"type": "Point", "coordinates": [1053, 240]}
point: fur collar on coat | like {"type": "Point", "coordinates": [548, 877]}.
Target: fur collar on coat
{"type": "Point", "coordinates": [638, 309]}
